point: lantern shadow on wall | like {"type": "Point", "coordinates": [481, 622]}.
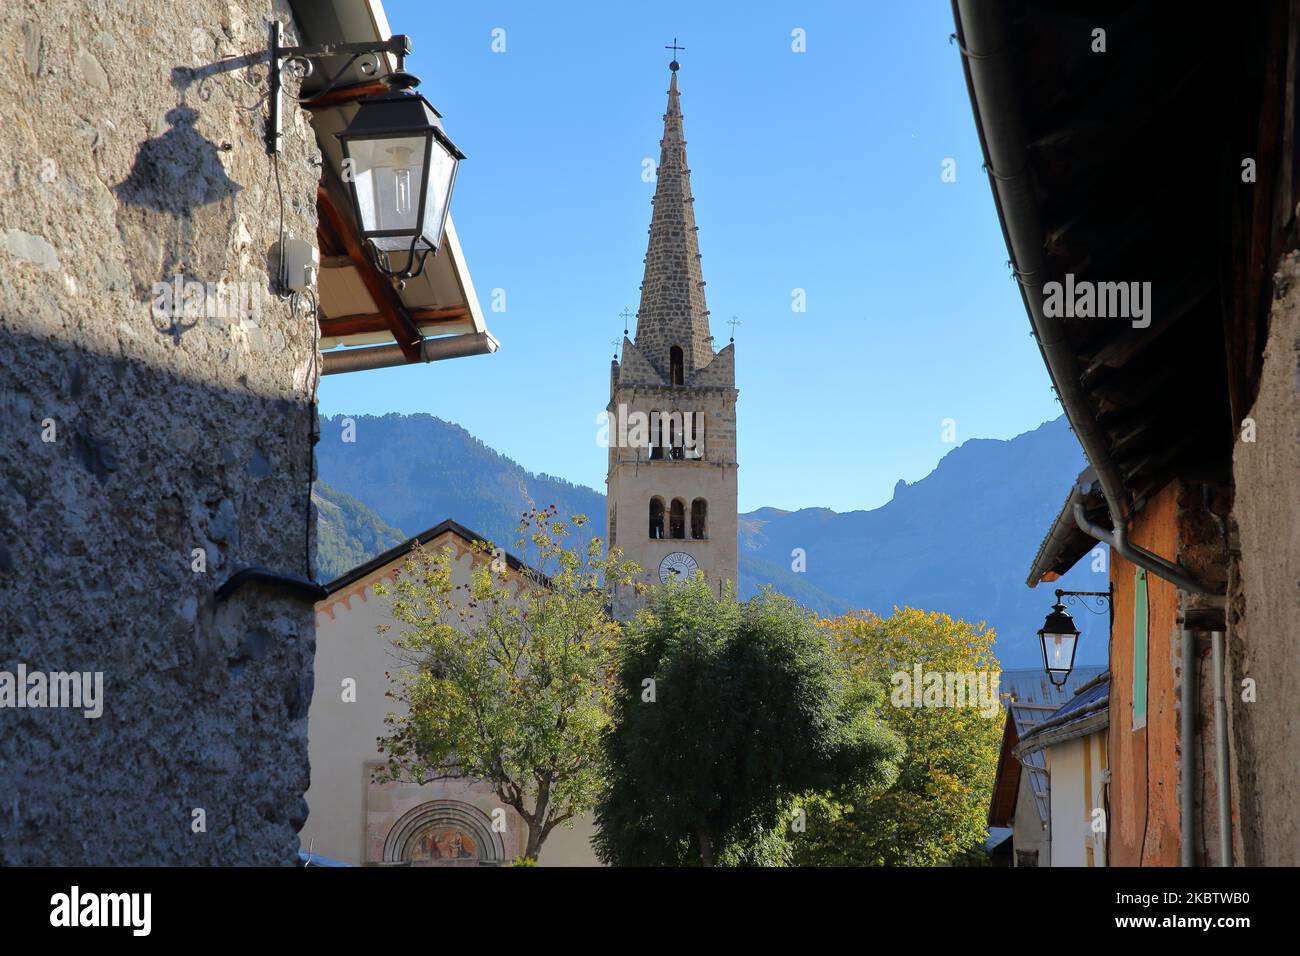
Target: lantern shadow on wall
{"type": "Point", "coordinates": [177, 211]}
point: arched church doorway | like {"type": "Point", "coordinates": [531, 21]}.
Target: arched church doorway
{"type": "Point", "coordinates": [444, 833]}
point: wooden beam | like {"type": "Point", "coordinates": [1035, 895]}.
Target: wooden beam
{"type": "Point", "coordinates": [347, 94]}
{"type": "Point", "coordinates": [1255, 218]}
{"type": "Point", "coordinates": [1131, 342]}
{"type": "Point", "coordinates": [395, 315]}
{"type": "Point", "coordinates": [329, 244]}
{"type": "Point", "coordinates": [362, 324]}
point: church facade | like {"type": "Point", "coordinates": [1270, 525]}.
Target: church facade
{"type": "Point", "coordinates": [671, 484]}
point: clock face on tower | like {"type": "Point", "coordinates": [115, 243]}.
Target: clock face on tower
{"type": "Point", "coordinates": [675, 564]}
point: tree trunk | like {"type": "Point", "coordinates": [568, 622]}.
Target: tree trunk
{"type": "Point", "coordinates": [706, 848]}
{"type": "Point", "coordinates": [534, 847]}
{"type": "Point", "coordinates": [537, 822]}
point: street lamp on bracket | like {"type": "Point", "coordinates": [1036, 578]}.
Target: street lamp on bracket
{"type": "Point", "coordinates": [398, 163]}
{"type": "Point", "coordinates": [1059, 635]}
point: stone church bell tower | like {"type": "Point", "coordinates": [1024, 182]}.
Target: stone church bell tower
{"type": "Point", "coordinates": [671, 486]}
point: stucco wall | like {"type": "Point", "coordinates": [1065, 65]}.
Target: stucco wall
{"type": "Point", "coordinates": [129, 439]}
{"type": "Point", "coordinates": [1266, 599]}
{"type": "Point", "coordinates": [1076, 768]}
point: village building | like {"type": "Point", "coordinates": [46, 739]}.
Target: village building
{"type": "Point", "coordinates": [359, 821]}
{"type": "Point", "coordinates": [1152, 160]}
{"type": "Point", "coordinates": [1020, 810]}
{"type": "Point", "coordinates": [1072, 743]}
{"type": "Point", "coordinates": [174, 253]}
{"type": "Point", "coordinates": [671, 494]}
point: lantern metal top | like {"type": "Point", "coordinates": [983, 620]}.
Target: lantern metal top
{"type": "Point", "coordinates": [1059, 621]}
{"type": "Point", "coordinates": [399, 112]}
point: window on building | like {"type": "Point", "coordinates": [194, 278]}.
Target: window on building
{"type": "Point", "coordinates": [675, 437]}
{"type": "Point", "coordinates": [677, 519]}
{"type": "Point", "coordinates": [658, 436]}
{"type": "Point", "coordinates": [695, 437]}
{"type": "Point", "coordinates": [677, 365]}
{"type": "Point", "coordinates": [1140, 649]}
{"type": "Point", "coordinates": [699, 518]}
{"type": "Point", "coordinates": [656, 517]}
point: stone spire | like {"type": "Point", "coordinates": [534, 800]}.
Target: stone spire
{"type": "Point", "coordinates": [673, 310]}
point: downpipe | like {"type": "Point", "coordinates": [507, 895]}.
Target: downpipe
{"type": "Point", "coordinates": [1221, 751]}
{"type": "Point", "coordinates": [1187, 757]}
{"type": "Point", "coordinates": [1118, 542]}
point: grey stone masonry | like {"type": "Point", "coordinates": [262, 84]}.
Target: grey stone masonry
{"type": "Point", "coordinates": [152, 442]}
{"type": "Point", "coordinates": [673, 310]}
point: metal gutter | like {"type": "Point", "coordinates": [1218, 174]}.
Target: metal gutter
{"type": "Point", "coordinates": [1143, 558]}
{"type": "Point", "coordinates": [293, 584]}
{"type": "Point", "coordinates": [387, 356]}
{"type": "Point", "coordinates": [1221, 751]}
{"type": "Point", "coordinates": [985, 41]}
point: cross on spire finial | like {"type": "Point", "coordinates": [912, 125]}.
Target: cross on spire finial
{"type": "Point", "coordinates": [625, 315]}
{"type": "Point", "coordinates": [674, 66]}
{"type": "Point", "coordinates": [615, 343]}
{"type": "Point", "coordinates": [733, 322]}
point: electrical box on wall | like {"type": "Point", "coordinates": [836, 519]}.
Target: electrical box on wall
{"type": "Point", "coordinates": [300, 265]}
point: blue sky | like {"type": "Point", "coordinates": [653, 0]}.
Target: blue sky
{"type": "Point", "coordinates": [818, 170]}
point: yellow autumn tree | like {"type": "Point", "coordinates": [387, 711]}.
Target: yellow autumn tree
{"type": "Point", "coordinates": [939, 676]}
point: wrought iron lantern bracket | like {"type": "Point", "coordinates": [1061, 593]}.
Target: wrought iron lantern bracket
{"type": "Point", "coordinates": [303, 58]}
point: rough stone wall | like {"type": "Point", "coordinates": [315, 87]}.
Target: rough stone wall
{"type": "Point", "coordinates": [1265, 594]}
{"type": "Point", "coordinates": [128, 439]}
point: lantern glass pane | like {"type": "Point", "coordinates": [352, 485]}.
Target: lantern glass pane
{"type": "Point", "coordinates": [388, 174]}
{"type": "Point", "coordinates": [442, 170]}
{"type": "Point", "coordinates": [1059, 651]}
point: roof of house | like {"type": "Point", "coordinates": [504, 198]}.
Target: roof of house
{"type": "Point", "coordinates": [1030, 698]}
{"type": "Point", "coordinates": [1154, 395]}
{"type": "Point", "coordinates": [1066, 543]}
{"type": "Point", "coordinates": [1087, 712]}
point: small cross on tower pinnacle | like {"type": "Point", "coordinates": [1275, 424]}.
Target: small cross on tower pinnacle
{"type": "Point", "coordinates": [674, 66]}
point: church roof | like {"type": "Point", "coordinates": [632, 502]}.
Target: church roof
{"type": "Point", "coordinates": [399, 553]}
{"type": "Point", "coordinates": [673, 309]}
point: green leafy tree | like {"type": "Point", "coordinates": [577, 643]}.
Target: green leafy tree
{"type": "Point", "coordinates": [936, 811]}
{"type": "Point", "coordinates": [508, 679]}
{"type": "Point", "coordinates": [724, 713]}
